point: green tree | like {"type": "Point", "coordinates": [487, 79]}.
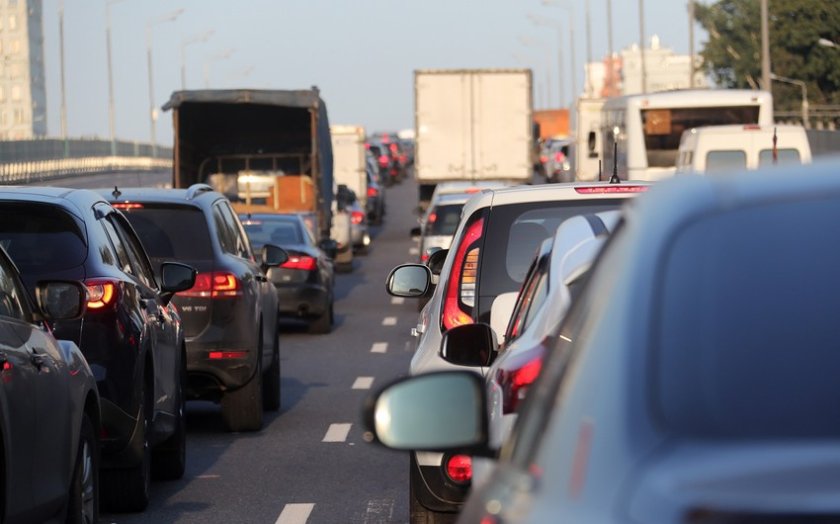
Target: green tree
{"type": "Point", "coordinates": [732, 55]}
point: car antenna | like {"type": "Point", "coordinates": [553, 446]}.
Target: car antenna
{"type": "Point", "coordinates": [600, 170]}
{"type": "Point", "coordinates": [116, 192]}
{"type": "Point", "coordinates": [614, 178]}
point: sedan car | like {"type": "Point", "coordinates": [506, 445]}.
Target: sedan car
{"type": "Point", "coordinates": [131, 335]}
{"type": "Point", "coordinates": [305, 281]}
{"type": "Point", "coordinates": [499, 233]}
{"type": "Point", "coordinates": [230, 314]}
{"type": "Point", "coordinates": [50, 419]}
{"type": "Point", "coordinates": [693, 380]}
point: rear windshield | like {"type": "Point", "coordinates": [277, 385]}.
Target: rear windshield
{"type": "Point", "coordinates": [783, 156]}
{"type": "Point", "coordinates": [277, 232]}
{"type": "Point", "coordinates": [748, 343]}
{"type": "Point", "coordinates": [41, 238]}
{"type": "Point", "coordinates": [172, 232]}
{"type": "Point", "coordinates": [514, 234]}
{"type": "Point", "coordinates": [725, 160]}
{"type": "Point", "coordinates": [443, 220]}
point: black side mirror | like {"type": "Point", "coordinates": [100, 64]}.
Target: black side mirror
{"type": "Point", "coordinates": [409, 280]}
{"type": "Point", "coordinates": [59, 300]}
{"type": "Point", "coordinates": [175, 277]}
{"type": "Point", "coordinates": [329, 247]}
{"type": "Point", "coordinates": [436, 260]}
{"type": "Point", "coordinates": [415, 232]}
{"type": "Point", "coordinates": [469, 345]}
{"type": "Point", "coordinates": [272, 255]}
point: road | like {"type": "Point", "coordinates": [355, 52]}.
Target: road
{"type": "Point", "coordinates": [310, 462]}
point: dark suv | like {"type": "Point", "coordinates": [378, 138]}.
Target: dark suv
{"type": "Point", "coordinates": [230, 316]}
{"type": "Point", "coordinates": [130, 335]}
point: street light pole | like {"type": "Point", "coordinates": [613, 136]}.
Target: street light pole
{"type": "Point", "coordinates": [152, 109]}
{"type": "Point", "coordinates": [804, 87]}
{"type": "Point", "coordinates": [112, 130]}
{"type": "Point", "coordinates": [765, 48]}
{"type": "Point", "coordinates": [215, 58]}
{"type": "Point", "coordinates": [642, 44]}
{"type": "Point", "coordinates": [61, 61]}
{"type": "Point", "coordinates": [195, 39]}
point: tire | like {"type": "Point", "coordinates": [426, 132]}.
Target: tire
{"type": "Point", "coordinates": [83, 498]}
{"type": "Point", "coordinates": [419, 514]}
{"type": "Point", "coordinates": [169, 458]}
{"type": "Point", "coordinates": [271, 378]}
{"type": "Point", "coordinates": [242, 408]}
{"type": "Point", "coordinates": [323, 324]}
{"type": "Point", "coordinates": [127, 490]}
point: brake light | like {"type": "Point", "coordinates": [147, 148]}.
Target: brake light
{"type": "Point", "coordinates": [101, 293]}
{"type": "Point", "coordinates": [559, 157]}
{"type": "Point", "coordinates": [515, 384]}
{"type": "Point", "coordinates": [462, 279]}
{"type": "Point", "coordinates": [471, 190]}
{"type": "Point", "coordinates": [356, 217]}
{"type": "Point", "coordinates": [432, 218]}
{"type": "Point", "coordinates": [543, 159]}
{"type": "Point", "coordinates": [126, 205]}
{"type": "Point", "coordinates": [372, 192]}
{"type": "Point", "coordinates": [302, 262]}
{"type": "Point", "coordinates": [459, 468]}
{"type": "Point", "coordinates": [218, 284]}
{"type": "Point", "coordinates": [615, 188]}
{"type": "Point", "coordinates": [383, 160]}
{"type": "Point", "coordinates": [367, 145]}
{"type": "Point", "coordinates": [752, 127]}
{"type": "Point", "coordinates": [424, 257]}
{"type": "Point", "coordinates": [224, 355]}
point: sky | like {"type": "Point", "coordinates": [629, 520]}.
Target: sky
{"type": "Point", "coordinates": [360, 53]}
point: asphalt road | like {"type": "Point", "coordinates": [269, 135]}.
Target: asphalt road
{"type": "Point", "coordinates": [310, 463]}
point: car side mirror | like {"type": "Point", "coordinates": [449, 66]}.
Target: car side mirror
{"type": "Point", "coordinates": [469, 345]}
{"type": "Point", "coordinates": [329, 247]}
{"type": "Point", "coordinates": [415, 232]}
{"type": "Point", "coordinates": [436, 260]}
{"type": "Point", "coordinates": [440, 411]}
{"type": "Point", "coordinates": [409, 280]}
{"type": "Point", "coordinates": [58, 300]}
{"type": "Point", "coordinates": [272, 255]}
{"type": "Point", "coordinates": [500, 313]}
{"type": "Point", "coordinates": [175, 277]}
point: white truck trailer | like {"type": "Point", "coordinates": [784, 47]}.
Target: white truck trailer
{"type": "Point", "coordinates": [348, 147]}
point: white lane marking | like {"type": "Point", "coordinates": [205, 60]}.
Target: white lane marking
{"type": "Point", "coordinates": [379, 510]}
{"type": "Point", "coordinates": [397, 301]}
{"type": "Point", "coordinates": [209, 477]}
{"type": "Point", "coordinates": [337, 433]}
{"type": "Point", "coordinates": [379, 347]}
{"type": "Point", "coordinates": [414, 251]}
{"type": "Point", "coordinates": [389, 321]}
{"type": "Point", "coordinates": [295, 514]}
{"type": "Point", "coordinates": [363, 383]}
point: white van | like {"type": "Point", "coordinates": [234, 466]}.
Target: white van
{"type": "Point", "coordinates": [713, 149]}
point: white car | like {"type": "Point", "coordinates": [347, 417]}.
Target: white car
{"type": "Point", "coordinates": [497, 238]}
{"type": "Point", "coordinates": [440, 222]}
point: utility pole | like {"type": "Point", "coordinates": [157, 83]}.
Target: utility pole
{"type": "Point", "coordinates": [61, 61]}
{"type": "Point", "coordinates": [765, 48]}
{"type": "Point", "coordinates": [642, 44]}
{"type": "Point", "coordinates": [111, 117]}
{"type": "Point", "coordinates": [152, 109]}
{"type": "Point", "coordinates": [691, 43]}
{"type": "Point", "coordinates": [610, 49]}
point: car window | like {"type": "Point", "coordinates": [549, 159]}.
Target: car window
{"type": "Point", "coordinates": [119, 248]}
{"type": "Point", "coordinates": [520, 309]}
{"type": "Point", "coordinates": [225, 234]}
{"type": "Point", "coordinates": [277, 232]}
{"type": "Point", "coordinates": [443, 220]}
{"type": "Point", "coordinates": [41, 238]}
{"type": "Point", "coordinates": [240, 238]}
{"type": "Point", "coordinates": [537, 300]}
{"type": "Point", "coordinates": [783, 156]}
{"type": "Point", "coordinates": [725, 160]}
{"type": "Point", "coordinates": [136, 255]}
{"type": "Point", "coordinates": [11, 295]}
{"type": "Point", "coordinates": [153, 224]}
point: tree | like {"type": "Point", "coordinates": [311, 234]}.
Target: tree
{"type": "Point", "coordinates": [732, 56]}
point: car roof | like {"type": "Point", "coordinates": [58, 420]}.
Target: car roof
{"type": "Point", "coordinates": [61, 196]}
{"type": "Point", "coordinates": [193, 194]}
{"type": "Point", "coordinates": [452, 198]}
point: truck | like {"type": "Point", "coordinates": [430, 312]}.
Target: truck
{"type": "Point", "coordinates": [266, 150]}
{"type": "Point", "coordinates": [587, 150]}
{"type": "Point", "coordinates": [471, 125]}
{"type": "Point", "coordinates": [349, 160]}
{"type": "Point", "coordinates": [553, 123]}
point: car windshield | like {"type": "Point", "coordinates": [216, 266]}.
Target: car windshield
{"type": "Point", "coordinates": [277, 232]}
{"type": "Point", "coordinates": [189, 241]}
{"type": "Point", "coordinates": [41, 238]}
{"type": "Point", "coordinates": [443, 220]}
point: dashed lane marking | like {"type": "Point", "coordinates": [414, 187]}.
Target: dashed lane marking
{"type": "Point", "coordinates": [389, 321]}
{"type": "Point", "coordinates": [213, 477]}
{"type": "Point", "coordinates": [337, 433]}
{"type": "Point", "coordinates": [380, 510]}
{"type": "Point", "coordinates": [295, 514]}
{"type": "Point", "coordinates": [363, 383]}
{"type": "Point", "coordinates": [379, 347]}
{"type": "Point", "coordinates": [397, 301]}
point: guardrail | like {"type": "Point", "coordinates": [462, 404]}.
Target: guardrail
{"type": "Point", "coordinates": [44, 170]}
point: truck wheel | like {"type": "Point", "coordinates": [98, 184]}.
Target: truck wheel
{"type": "Point", "coordinates": [169, 458]}
{"type": "Point", "coordinates": [271, 379]}
{"type": "Point", "coordinates": [242, 409]}
{"type": "Point", "coordinates": [83, 499]}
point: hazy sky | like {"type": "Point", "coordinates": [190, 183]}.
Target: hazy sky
{"type": "Point", "coordinates": [360, 53]}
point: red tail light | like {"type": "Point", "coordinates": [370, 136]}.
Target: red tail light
{"type": "Point", "coordinates": [424, 257]}
{"type": "Point", "coordinates": [101, 293]}
{"type": "Point", "coordinates": [460, 289]}
{"type": "Point", "coordinates": [218, 284]}
{"type": "Point", "coordinates": [372, 192]}
{"type": "Point", "coordinates": [559, 156]}
{"type": "Point", "coordinates": [367, 145]}
{"type": "Point", "coordinates": [356, 217]}
{"type": "Point", "coordinates": [432, 218]}
{"type": "Point", "coordinates": [125, 206]}
{"type": "Point", "coordinates": [515, 384]}
{"type": "Point", "coordinates": [383, 160]}
{"type": "Point", "coordinates": [302, 262]}
{"type": "Point", "coordinates": [225, 355]}
{"type": "Point", "coordinates": [459, 468]}
{"type": "Point", "coordinates": [543, 159]}
{"type": "Point", "coordinates": [614, 188]}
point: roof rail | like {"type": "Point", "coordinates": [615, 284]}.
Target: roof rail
{"type": "Point", "coordinates": [197, 189]}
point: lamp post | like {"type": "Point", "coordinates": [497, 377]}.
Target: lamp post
{"type": "Point", "coordinates": [573, 61]}
{"type": "Point", "coordinates": [557, 24]}
{"type": "Point", "coordinates": [804, 87]}
{"type": "Point", "coordinates": [169, 17]}
{"type": "Point", "coordinates": [535, 42]}
{"type": "Point", "coordinates": [61, 61]}
{"type": "Point", "coordinates": [112, 126]}
{"type": "Point", "coordinates": [224, 55]}
{"type": "Point", "coordinates": [203, 37]}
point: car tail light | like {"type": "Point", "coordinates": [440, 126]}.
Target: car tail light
{"type": "Point", "coordinates": [462, 279]}
{"type": "Point", "coordinates": [614, 188]}
{"type": "Point", "coordinates": [372, 192]}
{"type": "Point", "coordinates": [302, 262]}
{"type": "Point", "coordinates": [459, 468]}
{"type": "Point", "coordinates": [393, 148]}
{"type": "Point", "coordinates": [559, 157]}
{"type": "Point", "coordinates": [543, 159]}
{"type": "Point", "coordinates": [225, 355]}
{"type": "Point", "coordinates": [218, 284]}
{"type": "Point", "coordinates": [424, 256]}
{"type": "Point", "coordinates": [101, 293]}
{"type": "Point", "coordinates": [367, 145]}
{"type": "Point", "coordinates": [383, 160]}
{"type": "Point", "coordinates": [356, 217]}
{"type": "Point", "coordinates": [125, 206]}
{"type": "Point", "coordinates": [432, 218]}
{"type": "Point", "coordinates": [515, 384]}
{"type": "Point", "coordinates": [471, 190]}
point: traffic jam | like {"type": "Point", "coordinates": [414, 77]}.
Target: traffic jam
{"type": "Point", "coordinates": [472, 320]}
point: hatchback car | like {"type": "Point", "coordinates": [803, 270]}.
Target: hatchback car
{"type": "Point", "coordinates": [230, 314]}
{"type": "Point", "coordinates": [694, 379]}
{"type": "Point", "coordinates": [305, 281]}
{"type": "Point", "coordinates": [131, 335]}
{"type": "Point", "coordinates": [440, 222]}
{"type": "Point", "coordinates": [50, 421]}
{"type": "Point", "coordinates": [499, 233]}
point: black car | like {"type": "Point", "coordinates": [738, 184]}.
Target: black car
{"type": "Point", "coordinates": [230, 315]}
{"type": "Point", "coordinates": [305, 281]}
{"type": "Point", "coordinates": [130, 334]}
{"type": "Point", "coordinates": [375, 192]}
{"type": "Point", "coordinates": [49, 421]}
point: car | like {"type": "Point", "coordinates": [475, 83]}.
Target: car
{"type": "Point", "coordinates": [499, 232]}
{"type": "Point", "coordinates": [440, 222]}
{"type": "Point", "coordinates": [230, 314]}
{"type": "Point", "coordinates": [375, 192]}
{"type": "Point", "coordinates": [305, 281]}
{"type": "Point", "coordinates": [388, 157]}
{"type": "Point", "coordinates": [340, 232]}
{"type": "Point", "coordinates": [130, 334]}
{"type": "Point", "coordinates": [693, 380]}
{"type": "Point", "coordinates": [359, 234]}
{"type": "Point", "coordinates": [50, 420]}
{"type": "Point", "coordinates": [558, 161]}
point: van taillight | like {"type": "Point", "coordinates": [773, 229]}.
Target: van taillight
{"type": "Point", "coordinates": [459, 300]}
{"type": "Point", "coordinates": [515, 384]}
{"type": "Point", "coordinates": [101, 293]}
{"type": "Point", "coordinates": [218, 284]}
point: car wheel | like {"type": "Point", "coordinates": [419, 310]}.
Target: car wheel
{"type": "Point", "coordinates": [242, 408]}
{"type": "Point", "coordinates": [271, 379]}
{"type": "Point", "coordinates": [83, 499]}
{"type": "Point", "coordinates": [322, 324]}
{"type": "Point", "coordinates": [169, 459]}
{"type": "Point", "coordinates": [127, 489]}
